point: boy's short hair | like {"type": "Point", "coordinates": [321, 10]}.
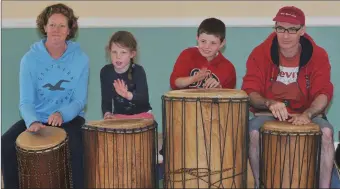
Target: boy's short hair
{"type": "Point", "coordinates": [212, 26]}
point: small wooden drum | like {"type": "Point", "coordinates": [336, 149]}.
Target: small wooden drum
{"type": "Point", "coordinates": [120, 153]}
{"type": "Point", "coordinates": [205, 138]}
{"type": "Point", "coordinates": [43, 159]}
{"type": "Point", "coordinates": [289, 155]}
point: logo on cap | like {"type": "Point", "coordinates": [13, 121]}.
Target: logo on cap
{"type": "Point", "coordinates": [288, 14]}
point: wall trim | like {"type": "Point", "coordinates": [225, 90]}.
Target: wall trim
{"type": "Point", "coordinates": [95, 22]}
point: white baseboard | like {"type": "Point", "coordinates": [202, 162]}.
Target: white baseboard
{"type": "Point", "coordinates": [169, 22]}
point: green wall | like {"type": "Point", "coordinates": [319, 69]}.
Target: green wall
{"type": "Point", "coordinates": [158, 50]}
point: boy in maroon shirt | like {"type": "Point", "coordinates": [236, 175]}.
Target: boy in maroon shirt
{"type": "Point", "coordinates": [204, 66]}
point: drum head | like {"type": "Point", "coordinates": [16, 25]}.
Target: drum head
{"type": "Point", "coordinates": [283, 126]}
{"type": "Point", "coordinates": [207, 93]}
{"type": "Point", "coordinates": [121, 123]}
{"type": "Point", "coordinates": [45, 138]}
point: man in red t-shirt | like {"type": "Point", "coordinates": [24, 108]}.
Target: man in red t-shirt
{"type": "Point", "coordinates": [204, 66]}
{"type": "Point", "coordinates": [288, 79]}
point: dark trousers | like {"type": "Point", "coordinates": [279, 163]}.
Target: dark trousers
{"type": "Point", "coordinates": [9, 163]}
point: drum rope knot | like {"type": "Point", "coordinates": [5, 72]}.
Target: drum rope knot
{"type": "Point", "coordinates": [200, 173]}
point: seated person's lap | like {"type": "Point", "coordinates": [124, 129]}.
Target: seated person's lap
{"type": "Point", "coordinates": [256, 122]}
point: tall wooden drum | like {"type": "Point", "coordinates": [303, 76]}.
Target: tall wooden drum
{"type": "Point", "coordinates": [289, 155]}
{"type": "Point", "coordinates": [120, 153]}
{"type": "Point", "coordinates": [43, 159]}
{"type": "Point", "coordinates": [205, 138]}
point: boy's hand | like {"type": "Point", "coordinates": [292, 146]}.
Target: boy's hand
{"type": "Point", "coordinates": [212, 83]}
{"type": "Point", "coordinates": [202, 74]}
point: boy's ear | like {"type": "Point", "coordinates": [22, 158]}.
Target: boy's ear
{"type": "Point", "coordinates": [222, 44]}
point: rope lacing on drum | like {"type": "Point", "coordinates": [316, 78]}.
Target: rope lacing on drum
{"type": "Point", "coordinates": [200, 173]}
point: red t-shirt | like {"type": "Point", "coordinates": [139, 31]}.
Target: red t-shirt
{"type": "Point", "coordinates": [286, 86]}
{"type": "Point", "coordinates": [190, 62]}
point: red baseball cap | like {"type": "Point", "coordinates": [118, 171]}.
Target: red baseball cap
{"type": "Point", "coordinates": [291, 15]}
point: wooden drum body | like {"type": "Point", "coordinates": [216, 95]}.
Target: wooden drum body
{"type": "Point", "coordinates": [205, 138]}
{"type": "Point", "coordinates": [43, 159]}
{"type": "Point", "coordinates": [120, 153]}
{"type": "Point", "coordinates": [289, 155]}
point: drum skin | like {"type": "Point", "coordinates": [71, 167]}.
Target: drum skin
{"type": "Point", "coordinates": [43, 159]}
{"type": "Point", "coordinates": [205, 138]}
{"type": "Point", "coordinates": [289, 155]}
{"type": "Point", "coordinates": [120, 153]}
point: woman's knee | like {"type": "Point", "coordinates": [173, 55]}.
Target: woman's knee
{"type": "Point", "coordinates": [74, 126]}
{"type": "Point", "coordinates": [10, 136]}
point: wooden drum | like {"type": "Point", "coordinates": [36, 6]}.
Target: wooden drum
{"type": "Point", "coordinates": [120, 153]}
{"type": "Point", "coordinates": [289, 155]}
{"type": "Point", "coordinates": [43, 159]}
{"type": "Point", "coordinates": [205, 138]}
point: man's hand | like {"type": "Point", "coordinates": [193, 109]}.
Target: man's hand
{"type": "Point", "coordinates": [278, 109]}
{"type": "Point", "coordinates": [301, 119]}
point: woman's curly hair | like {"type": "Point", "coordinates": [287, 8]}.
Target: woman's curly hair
{"type": "Point", "coordinates": [59, 8]}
